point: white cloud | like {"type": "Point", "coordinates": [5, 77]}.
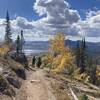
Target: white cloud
{"type": "Point", "coordinates": [89, 27]}
{"type": "Point", "coordinates": [58, 18]}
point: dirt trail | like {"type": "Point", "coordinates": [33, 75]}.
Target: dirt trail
{"type": "Point", "coordinates": [40, 87]}
{"type": "Point", "coordinates": [36, 87]}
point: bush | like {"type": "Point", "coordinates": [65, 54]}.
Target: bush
{"type": "Point", "coordinates": [83, 97]}
{"type": "Point", "coordinates": [3, 84]}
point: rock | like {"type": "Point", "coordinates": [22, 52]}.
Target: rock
{"type": "Point", "coordinates": [17, 68]}
{"type": "Point", "coordinates": [5, 87]}
{"type": "Point", "coordinates": [14, 81]}
{"type": "Point", "coordinates": [10, 92]}
{"type": "Point", "coordinates": [9, 72]}
{"type": "Point", "coordinates": [10, 76]}
{"type": "Point", "coordinates": [20, 57]}
{"type": "Point", "coordinates": [37, 81]}
{"type": "Point", "coordinates": [21, 73]}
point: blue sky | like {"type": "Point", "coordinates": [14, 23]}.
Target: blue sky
{"type": "Point", "coordinates": [43, 18]}
{"type": "Point", "coordinates": [83, 5]}
{"type": "Point", "coordinates": [25, 9]}
{"type": "Point", "coordinates": [22, 8]}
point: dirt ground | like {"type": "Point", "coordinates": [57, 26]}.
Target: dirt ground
{"type": "Point", "coordinates": [36, 87]}
{"type": "Point", "coordinates": [39, 85]}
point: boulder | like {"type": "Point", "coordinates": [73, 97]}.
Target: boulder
{"type": "Point", "coordinates": [20, 57]}
{"type": "Point", "coordinates": [17, 68]}
{"type": "Point", "coordinates": [14, 81]}
{"type": "Point", "coordinates": [21, 73]}
{"type": "Point", "coordinates": [5, 87]}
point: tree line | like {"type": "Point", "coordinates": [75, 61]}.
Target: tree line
{"type": "Point", "coordinates": [84, 61]}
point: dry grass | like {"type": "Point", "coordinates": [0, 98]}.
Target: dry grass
{"type": "Point", "coordinates": [4, 48]}
{"type": "Point", "coordinates": [60, 92]}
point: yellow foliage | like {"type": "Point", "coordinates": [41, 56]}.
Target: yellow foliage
{"type": "Point", "coordinates": [63, 62]}
{"type": "Point", "coordinates": [57, 44]}
{"type": "Point", "coordinates": [4, 49]}
{"type": "Point", "coordinates": [63, 58]}
{"type": "Point", "coordinates": [47, 59]}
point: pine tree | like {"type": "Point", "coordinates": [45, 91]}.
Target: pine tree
{"type": "Point", "coordinates": [91, 69]}
{"type": "Point", "coordinates": [83, 56]}
{"type": "Point", "coordinates": [18, 47]}
{"type": "Point", "coordinates": [22, 41]}
{"type": "Point", "coordinates": [92, 73]}
{"type": "Point", "coordinates": [89, 64]}
{"type": "Point", "coordinates": [78, 54]}
{"type": "Point", "coordinates": [8, 29]}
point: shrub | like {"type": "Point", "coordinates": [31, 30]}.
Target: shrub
{"type": "Point", "coordinates": [83, 97]}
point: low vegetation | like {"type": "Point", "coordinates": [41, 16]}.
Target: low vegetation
{"type": "Point", "coordinates": [83, 97]}
{"type": "Point", "coordinates": [60, 92]}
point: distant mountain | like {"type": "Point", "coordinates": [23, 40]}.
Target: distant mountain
{"type": "Point", "coordinates": [44, 45]}
{"type": "Point", "coordinates": [93, 48]}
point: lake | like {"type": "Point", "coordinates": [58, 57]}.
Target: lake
{"type": "Point", "coordinates": [30, 52]}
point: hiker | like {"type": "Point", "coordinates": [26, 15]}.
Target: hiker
{"type": "Point", "coordinates": [39, 62]}
{"type": "Point", "coordinates": [33, 61]}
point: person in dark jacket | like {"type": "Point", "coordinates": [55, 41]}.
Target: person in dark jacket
{"type": "Point", "coordinates": [33, 61]}
{"type": "Point", "coordinates": [39, 62]}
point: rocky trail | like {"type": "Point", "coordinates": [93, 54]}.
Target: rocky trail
{"type": "Point", "coordinates": [36, 87]}
{"type": "Point", "coordinates": [40, 85]}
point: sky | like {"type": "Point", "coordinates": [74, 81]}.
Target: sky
{"type": "Point", "coordinates": [42, 19]}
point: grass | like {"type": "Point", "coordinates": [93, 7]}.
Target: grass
{"type": "Point", "coordinates": [59, 92]}
{"type": "Point", "coordinates": [4, 48]}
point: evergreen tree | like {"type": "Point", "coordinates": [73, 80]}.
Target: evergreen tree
{"type": "Point", "coordinates": [78, 54]}
{"type": "Point", "coordinates": [8, 29]}
{"type": "Point", "coordinates": [83, 56]}
{"type": "Point", "coordinates": [18, 47]}
{"type": "Point", "coordinates": [92, 73]}
{"type": "Point", "coordinates": [89, 64]}
{"type": "Point", "coordinates": [85, 62]}
{"type": "Point", "coordinates": [91, 70]}
{"type": "Point", "coordinates": [22, 41]}
{"type": "Point", "coordinates": [84, 44]}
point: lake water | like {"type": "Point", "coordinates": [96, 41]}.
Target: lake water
{"type": "Point", "coordinates": [30, 52]}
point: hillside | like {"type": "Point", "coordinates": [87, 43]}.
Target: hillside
{"type": "Point", "coordinates": [10, 77]}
